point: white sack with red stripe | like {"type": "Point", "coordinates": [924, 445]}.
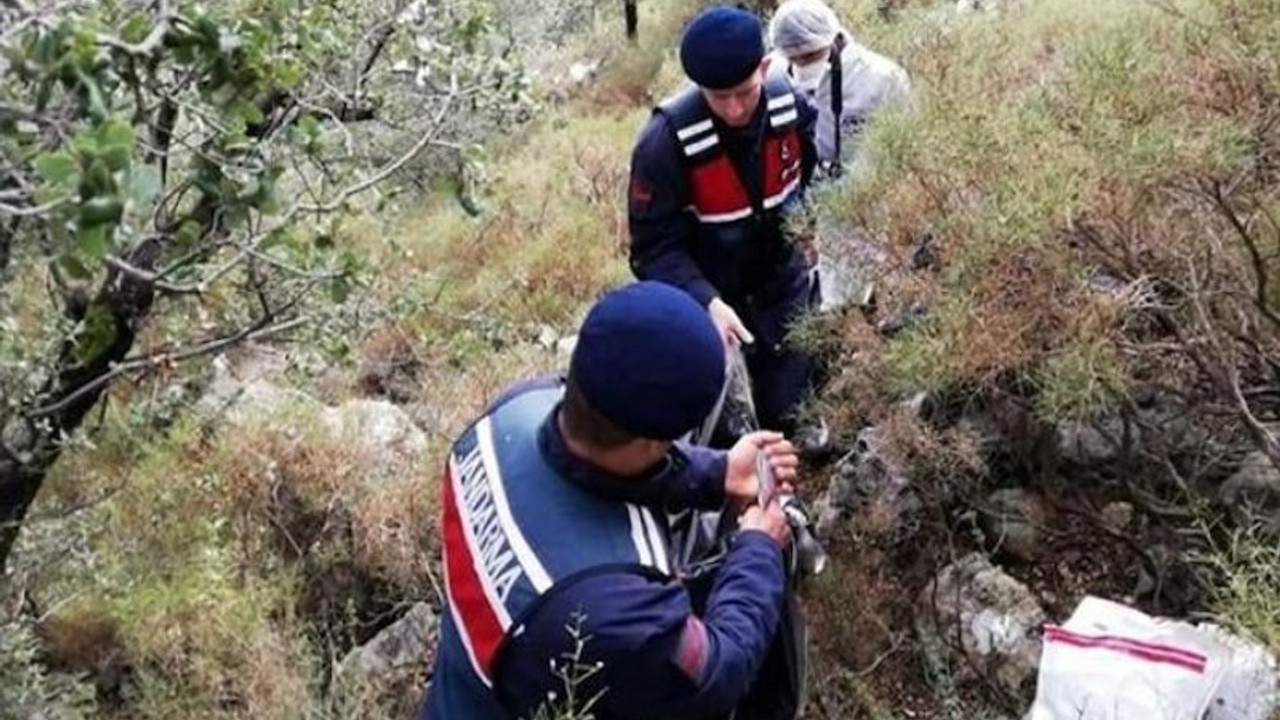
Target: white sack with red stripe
{"type": "Point", "coordinates": [1111, 662]}
{"type": "Point", "coordinates": [1250, 689]}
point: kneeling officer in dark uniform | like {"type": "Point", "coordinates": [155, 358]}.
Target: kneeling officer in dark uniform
{"type": "Point", "coordinates": [715, 176]}
{"type": "Point", "coordinates": [555, 516]}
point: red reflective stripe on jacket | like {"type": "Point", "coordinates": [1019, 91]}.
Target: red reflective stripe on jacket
{"type": "Point", "coordinates": [478, 621]}
{"type": "Point", "coordinates": [781, 162]}
{"type": "Point", "coordinates": [716, 188]}
{"type": "Point", "coordinates": [718, 193]}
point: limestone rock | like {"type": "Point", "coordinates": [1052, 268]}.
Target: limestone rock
{"type": "Point", "coordinates": [1014, 520]}
{"type": "Point", "coordinates": [995, 619]}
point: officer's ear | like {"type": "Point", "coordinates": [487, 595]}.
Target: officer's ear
{"type": "Point", "coordinates": [764, 64]}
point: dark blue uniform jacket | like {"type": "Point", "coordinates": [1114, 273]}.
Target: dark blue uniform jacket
{"type": "Point", "coordinates": [663, 652]}
{"type": "Point", "coordinates": [663, 229]}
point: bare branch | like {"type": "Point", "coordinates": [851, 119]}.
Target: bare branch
{"type": "Point", "coordinates": [147, 276]}
{"type": "Point", "coordinates": [386, 172]}
{"type": "Point", "coordinates": [1229, 377]}
{"type": "Point", "coordinates": [1260, 274]}
{"type": "Point", "coordinates": [148, 45]}
{"type": "Point", "coordinates": [162, 359]}
{"type": "Point", "coordinates": [32, 210]}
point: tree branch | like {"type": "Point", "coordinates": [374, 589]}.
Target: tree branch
{"type": "Point", "coordinates": [148, 45]}
{"type": "Point", "coordinates": [7, 232]}
{"type": "Point", "coordinates": [1229, 378]}
{"type": "Point", "coordinates": [32, 210]}
{"type": "Point", "coordinates": [1260, 273]}
{"type": "Point", "coordinates": [161, 359]}
{"type": "Point", "coordinates": [386, 172]}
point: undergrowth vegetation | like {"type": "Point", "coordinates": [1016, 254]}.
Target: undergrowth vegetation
{"type": "Point", "coordinates": [1078, 218]}
{"type": "Point", "coordinates": [1097, 180]}
{"type": "Point", "coordinates": [178, 566]}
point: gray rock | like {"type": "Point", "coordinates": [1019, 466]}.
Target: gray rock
{"type": "Point", "coordinates": [1086, 445]}
{"type": "Point", "coordinates": [376, 425]}
{"type": "Point", "coordinates": [406, 645]}
{"type": "Point", "coordinates": [242, 396]}
{"type": "Point", "coordinates": [1252, 494]}
{"type": "Point", "coordinates": [431, 419]}
{"type": "Point", "coordinates": [866, 479]}
{"type": "Point", "coordinates": [386, 434]}
{"type": "Point", "coordinates": [849, 260]}
{"type": "Point", "coordinates": [1014, 520]}
{"type": "Point", "coordinates": [1117, 516]}
{"type": "Point", "coordinates": [994, 618]}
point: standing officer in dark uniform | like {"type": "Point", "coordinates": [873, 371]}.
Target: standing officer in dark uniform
{"type": "Point", "coordinates": [715, 175]}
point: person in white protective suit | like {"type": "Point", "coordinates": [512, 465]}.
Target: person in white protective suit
{"type": "Point", "coordinates": [844, 80]}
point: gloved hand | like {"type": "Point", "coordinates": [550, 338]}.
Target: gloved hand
{"type": "Point", "coordinates": [729, 324]}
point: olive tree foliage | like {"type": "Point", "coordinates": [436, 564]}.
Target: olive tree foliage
{"type": "Point", "coordinates": [554, 25]}
{"type": "Point", "coordinates": [172, 174]}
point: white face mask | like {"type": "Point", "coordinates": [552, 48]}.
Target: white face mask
{"type": "Point", "coordinates": [807, 77]}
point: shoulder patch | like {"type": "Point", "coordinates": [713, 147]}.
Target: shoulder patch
{"type": "Point", "coordinates": [640, 194]}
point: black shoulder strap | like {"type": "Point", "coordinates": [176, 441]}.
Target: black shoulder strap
{"type": "Point", "coordinates": [692, 128]}
{"type": "Point", "coordinates": [780, 103]}
{"type": "Point", "coordinates": [837, 99]}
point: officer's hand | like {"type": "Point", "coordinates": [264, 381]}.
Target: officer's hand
{"type": "Point", "coordinates": [771, 520]}
{"type": "Point", "coordinates": [729, 324]}
{"type": "Point", "coordinates": [741, 483]}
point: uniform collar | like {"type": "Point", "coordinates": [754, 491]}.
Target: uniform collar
{"type": "Point", "coordinates": [751, 130]}
{"type": "Point", "coordinates": [642, 489]}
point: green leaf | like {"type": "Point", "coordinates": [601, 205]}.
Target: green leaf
{"type": "Point", "coordinates": [94, 241]}
{"type": "Point", "coordinates": [115, 132]}
{"type": "Point", "coordinates": [101, 210]}
{"type": "Point", "coordinates": [98, 334]}
{"type": "Point", "coordinates": [250, 113]}
{"type": "Point", "coordinates": [309, 126]}
{"type": "Point", "coordinates": [96, 179]}
{"type": "Point", "coordinates": [223, 95]}
{"type": "Point", "coordinates": [278, 238]}
{"type": "Point", "coordinates": [188, 234]}
{"type": "Point", "coordinates": [288, 75]}
{"type": "Point", "coordinates": [57, 168]}
{"type": "Point", "coordinates": [85, 145]}
{"type": "Point", "coordinates": [136, 29]}
{"type": "Point", "coordinates": [116, 157]}
{"type": "Point", "coordinates": [144, 184]}
{"type": "Point", "coordinates": [97, 102]}
{"type": "Point", "coordinates": [116, 141]}
{"type": "Point", "coordinates": [74, 267]}
{"type": "Point", "coordinates": [339, 290]}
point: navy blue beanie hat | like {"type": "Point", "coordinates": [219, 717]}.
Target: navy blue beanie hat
{"type": "Point", "coordinates": [649, 360]}
{"type": "Point", "coordinates": [722, 47]}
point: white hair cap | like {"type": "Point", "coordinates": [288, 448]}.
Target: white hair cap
{"type": "Point", "coordinates": [803, 26]}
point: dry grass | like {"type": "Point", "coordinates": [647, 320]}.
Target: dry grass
{"type": "Point", "coordinates": [1064, 157]}
{"type": "Point", "coordinates": [225, 570]}
{"type": "Point", "coordinates": [1049, 141]}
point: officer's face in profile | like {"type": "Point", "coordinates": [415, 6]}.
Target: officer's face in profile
{"type": "Point", "coordinates": [736, 105]}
